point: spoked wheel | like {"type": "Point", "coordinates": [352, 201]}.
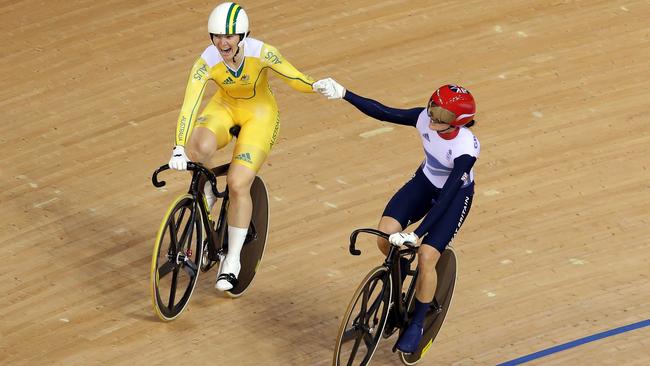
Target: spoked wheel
{"type": "Point", "coordinates": [446, 269]}
{"type": "Point", "coordinates": [176, 258]}
{"type": "Point", "coordinates": [364, 321]}
{"type": "Point", "coordinates": [253, 249]}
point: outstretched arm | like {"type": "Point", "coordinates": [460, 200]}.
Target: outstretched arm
{"type": "Point", "coordinates": [381, 112]}
{"type": "Point", "coordinates": [287, 72]}
{"type": "Point", "coordinates": [333, 90]}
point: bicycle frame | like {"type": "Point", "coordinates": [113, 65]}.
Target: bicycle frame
{"type": "Point", "coordinates": [202, 242]}
{"type": "Point", "coordinates": [215, 236]}
{"type": "Point", "coordinates": [393, 264]}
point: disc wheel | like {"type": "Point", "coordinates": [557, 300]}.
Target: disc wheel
{"type": "Point", "coordinates": [256, 239]}
{"type": "Point", "coordinates": [446, 269]}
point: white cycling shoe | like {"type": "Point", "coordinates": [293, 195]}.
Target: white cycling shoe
{"type": "Point", "coordinates": [227, 275]}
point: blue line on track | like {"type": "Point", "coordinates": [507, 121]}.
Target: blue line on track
{"type": "Point", "coordinates": [576, 343]}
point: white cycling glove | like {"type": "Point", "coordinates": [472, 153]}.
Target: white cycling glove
{"type": "Point", "coordinates": [400, 239]}
{"type": "Point", "coordinates": [329, 88]}
{"type": "Point", "coordinates": [178, 160]}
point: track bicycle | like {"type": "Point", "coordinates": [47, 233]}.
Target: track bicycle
{"type": "Point", "coordinates": [383, 304]}
{"type": "Point", "coordinates": [189, 242]}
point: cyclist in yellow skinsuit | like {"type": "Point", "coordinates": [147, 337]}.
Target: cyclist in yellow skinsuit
{"type": "Point", "coordinates": [240, 66]}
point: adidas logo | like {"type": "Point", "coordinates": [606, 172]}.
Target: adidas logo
{"type": "Point", "coordinates": [228, 81]}
{"type": "Point", "coordinates": [244, 157]}
{"type": "Point", "coordinates": [426, 137]}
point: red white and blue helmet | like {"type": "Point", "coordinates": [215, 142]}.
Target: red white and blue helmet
{"type": "Point", "coordinates": [456, 99]}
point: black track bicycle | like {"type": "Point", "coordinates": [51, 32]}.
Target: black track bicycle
{"type": "Point", "coordinates": [383, 304]}
{"type": "Point", "coordinates": [190, 242]}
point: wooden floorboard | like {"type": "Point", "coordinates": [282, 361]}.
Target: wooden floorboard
{"type": "Point", "coordinates": [555, 247]}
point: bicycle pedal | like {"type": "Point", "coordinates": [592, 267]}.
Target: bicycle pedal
{"type": "Point", "coordinates": [435, 307]}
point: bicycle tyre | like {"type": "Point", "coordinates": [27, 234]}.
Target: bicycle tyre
{"type": "Point", "coordinates": [180, 257]}
{"type": "Point", "coordinates": [371, 334]}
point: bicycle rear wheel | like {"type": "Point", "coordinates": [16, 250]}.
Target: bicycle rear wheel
{"type": "Point", "coordinates": [255, 244]}
{"type": "Point", "coordinates": [364, 320]}
{"type": "Point", "coordinates": [446, 269]}
{"type": "Point", "coordinates": [176, 258]}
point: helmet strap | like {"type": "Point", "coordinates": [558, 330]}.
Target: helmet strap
{"type": "Point", "coordinates": [240, 45]}
{"type": "Point", "coordinates": [242, 39]}
{"type": "Point", "coordinates": [449, 135]}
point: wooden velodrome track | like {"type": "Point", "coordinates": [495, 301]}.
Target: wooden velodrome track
{"type": "Point", "coordinates": [555, 249]}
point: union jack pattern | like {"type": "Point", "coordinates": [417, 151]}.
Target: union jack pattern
{"type": "Point", "coordinates": [458, 89]}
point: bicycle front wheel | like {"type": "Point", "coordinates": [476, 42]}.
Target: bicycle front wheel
{"type": "Point", "coordinates": [364, 320]}
{"type": "Point", "coordinates": [176, 258]}
{"type": "Point", "coordinates": [446, 269]}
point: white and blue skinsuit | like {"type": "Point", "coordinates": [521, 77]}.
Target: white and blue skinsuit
{"type": "Point", "coordinates": [442, 188]}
